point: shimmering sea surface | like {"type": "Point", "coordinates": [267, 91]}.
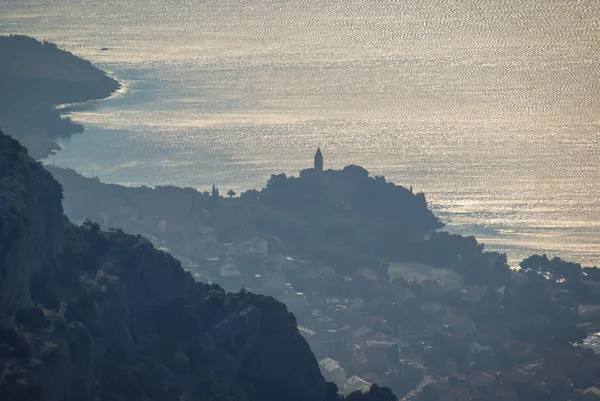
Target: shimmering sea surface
{"type": "Point", "coordinates": [491, 107]}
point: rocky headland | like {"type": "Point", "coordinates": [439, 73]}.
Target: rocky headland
{"type": "Point", "coordinates": [35, 77]}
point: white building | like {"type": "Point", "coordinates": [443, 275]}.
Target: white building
{"type": "Point", "coordinates": [355, 383]}
{"type": "Point", "coordinates": [332, 371]}
{"type": "Point", "coordinates": [591, 393]}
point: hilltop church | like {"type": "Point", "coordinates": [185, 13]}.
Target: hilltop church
{"type": "Point", "coordinates": [318, 166]}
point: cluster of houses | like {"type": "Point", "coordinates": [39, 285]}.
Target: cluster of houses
{"type": "Point", "coordinates": [333, 372]}
{"type": "Point", "coordinates": [341, 330]}
{"type": "Point", "coordinates": [365, 329]}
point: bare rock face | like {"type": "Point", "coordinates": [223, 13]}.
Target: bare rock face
{"type": "Point", "coordinates": [31, 224]}
{"type": "Point", "coordinates": [90, 315]}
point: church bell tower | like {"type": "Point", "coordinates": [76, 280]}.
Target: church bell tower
{"type": "Point", "coordinates": [318, 161]}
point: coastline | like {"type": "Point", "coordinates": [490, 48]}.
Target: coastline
{"type": "Point", "coordinates": [345, 261]}
{"type": "Point", "coordinates": [37, 95]}
{"type": "Point", "coordinates": [54, 123]}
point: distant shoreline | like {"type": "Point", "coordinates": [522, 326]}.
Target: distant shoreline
{"type": "Point", "coordinates": [44, 141]}
{"type": "Point", "coordinates": [37, 79]}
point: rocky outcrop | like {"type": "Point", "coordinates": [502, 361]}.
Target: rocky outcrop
{"type": "Point", "coordinates": [92, 315]}
{"type": "Point", "coordinates": [31, 224]}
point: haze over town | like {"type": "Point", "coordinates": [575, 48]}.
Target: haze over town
{"type": "Point", "coordinates": [309, 201]}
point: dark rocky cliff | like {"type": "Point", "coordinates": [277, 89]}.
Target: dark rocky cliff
{"type": "Point", "coordinates": [31, 224]}
{"type": "Point", "coordinates": [90, 315]}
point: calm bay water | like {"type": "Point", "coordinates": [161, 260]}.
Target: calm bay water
{"type": "Point", "coordinates": [491, 107]}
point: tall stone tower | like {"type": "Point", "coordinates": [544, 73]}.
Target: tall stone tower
{"type": "Point", "coordinates": [318, 161]}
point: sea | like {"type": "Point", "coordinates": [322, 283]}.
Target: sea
{"type": "Point", "coordinates": [490, 107]}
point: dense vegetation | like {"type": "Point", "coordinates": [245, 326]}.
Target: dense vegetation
{"type": "Point", "coordinates": [110, 318]}
{"type": "Point", "coordinates": [342, 218]}
{"type": "Point", "coordinates": [104, 316]}
{"type": "Point", "coordinates": [328, 219]}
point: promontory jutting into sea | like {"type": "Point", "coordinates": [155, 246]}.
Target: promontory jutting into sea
{"type": "Point", "coordinates": [492, 108]}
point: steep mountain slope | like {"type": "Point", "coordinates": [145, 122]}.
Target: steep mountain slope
{"type": "Point", "coordinates": [89, 315]}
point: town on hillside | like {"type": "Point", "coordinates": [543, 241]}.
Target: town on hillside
{"type": "Point", "coordinates": [427, 331]}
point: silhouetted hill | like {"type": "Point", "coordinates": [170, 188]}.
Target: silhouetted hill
{"type": "Point", "coordinates": [345, 218]}
{"type": "Point", "coordinates": [35, 77]}
{"type": "Point", "coordinates": [87, 315]}
{"type": "Point", "coordinates": [345, 210]}
{"type": "Point", "coordinates": [92, 315]}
